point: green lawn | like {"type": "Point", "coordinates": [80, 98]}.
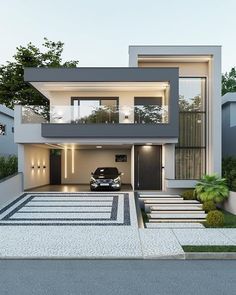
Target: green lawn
{"type": "Point", "coordinates": [230, 220]}
{"type": "Point", "coordinates": [209, 248]}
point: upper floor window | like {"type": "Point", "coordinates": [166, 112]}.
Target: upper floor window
{"type": "Point", "coordinates": [95, 110]}
{"type": "Point", "coordinates": [2, 129]}
{"type": "Point", "coordinates": [150, 110]}
{"type": "Point", "coordinates": [191, 148]}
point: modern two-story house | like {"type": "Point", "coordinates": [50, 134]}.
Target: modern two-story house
{"type": "Point", "coordinates": [158, 121]}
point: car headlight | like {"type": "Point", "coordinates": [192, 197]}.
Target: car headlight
{"type": "Point", "coordinates": [117, 179]}
{"type": "Point", "coordinates": [93, 179]}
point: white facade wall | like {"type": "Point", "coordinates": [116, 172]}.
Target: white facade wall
{"type": "Point", "coordinates": [30, 155]}
{"type": "Point", "coordinates": [200, 61]}
{"type": "Point", "coordinates": [10, 188]}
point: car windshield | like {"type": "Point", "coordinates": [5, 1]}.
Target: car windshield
{"type": "Point", "coordinates": [106, 171]}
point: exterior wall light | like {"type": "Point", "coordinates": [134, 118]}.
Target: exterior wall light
{"type": "Point", "coordinates": [32, 167]}
{"type": "Point", "coordinates": [44, 166]}
{"type": "Point", "coordinates": [38, 166]}
{"type": "Point", "coordinates": [126, 117]}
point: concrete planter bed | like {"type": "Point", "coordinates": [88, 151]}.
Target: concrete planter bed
{"type": "Point", "coordinates": [230, 203]}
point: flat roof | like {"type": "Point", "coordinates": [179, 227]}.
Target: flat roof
{"type": "Point", "coordinates": [228, 98]}
{"type": "Point", "coordinates": [125, 74]}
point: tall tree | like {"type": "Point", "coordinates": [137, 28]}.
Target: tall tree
{"type": "Point", "coordinates": [229, 81]}
{"type": "Point", "coordinates": [13, 89]}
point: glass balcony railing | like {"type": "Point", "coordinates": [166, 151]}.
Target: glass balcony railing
{"type": "Point", "coordinates": [140, 114]}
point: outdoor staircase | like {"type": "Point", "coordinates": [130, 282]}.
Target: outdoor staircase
{"type": "Point", "coordinates": [173, 211]}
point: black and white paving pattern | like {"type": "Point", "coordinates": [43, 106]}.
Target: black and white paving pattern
{"type": "Point", "coordinates": [67, 209]}
{"type": "Point", "coordinates": [92, 225]}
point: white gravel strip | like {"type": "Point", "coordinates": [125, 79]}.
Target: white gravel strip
{"type": "Point", "coordinates": [65, 209]}
{"type": "Point", "coordinates": [60, 215]}
{"type": "Point", "coordinates": [73, 203]}
{"type": "Point", "coordinates": [72, 198]}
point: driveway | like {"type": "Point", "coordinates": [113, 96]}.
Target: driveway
{"type": "Point", "coordinates": [92, 225]}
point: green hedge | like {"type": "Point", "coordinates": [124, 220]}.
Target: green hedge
{"type": "Point", "coordinates": [8, 166]}
{"type": "Point", "coordinates": [229, 172]}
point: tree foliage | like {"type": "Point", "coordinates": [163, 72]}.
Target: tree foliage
{"type": "Point", "coordinates": [13, 89]}
{"type": "Point", "coordinates": [229, 81]}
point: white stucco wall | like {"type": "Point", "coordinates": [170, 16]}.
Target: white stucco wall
{"type": "Point", "coordinates": [86, 161]}
{"type": "Point", "coordinates": [230, 204]}
{"type": "Point", "coordinates": [34, 156]}
{"type": "Point", "coordinates": [10, 188]}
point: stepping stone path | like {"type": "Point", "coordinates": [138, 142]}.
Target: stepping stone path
{"type": "Point", "coordinates": [172, 211]}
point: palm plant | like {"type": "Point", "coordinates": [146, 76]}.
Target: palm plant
{"type": "Point", "coordinates": [212, 188]}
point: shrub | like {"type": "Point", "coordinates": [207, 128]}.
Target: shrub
{"type": "Point", "coordinates": [8, 166]}
{"type": "Point", "coordinates": [188, 195]}
{"type": "Point", "coordinates": [212, 188]}
{"type": "Point", "coordinates": [209, 206]}
{"type": "Point", "coordinates": [215, 218]}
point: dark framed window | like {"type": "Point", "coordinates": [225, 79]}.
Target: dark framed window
{"type": "Point", "coordinates": [95, 109]}
{"type": "Point", "coordinates": [190, 152]}
{"type": "Point", "coordinates": [150, 110]}
{"type": "Point", "coordinates": [2, 129]}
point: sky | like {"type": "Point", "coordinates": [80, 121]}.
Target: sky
{"type": "Point", "coordinates": [98, 32]}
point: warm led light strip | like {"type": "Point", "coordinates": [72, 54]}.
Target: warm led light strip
{"type": "Point", "coordinates": [73, 159]}
{"type": "Point", "coordinates": [65, 162]}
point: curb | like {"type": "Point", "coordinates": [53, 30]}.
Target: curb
{"type": "Point", "coordinates": [210, 255]}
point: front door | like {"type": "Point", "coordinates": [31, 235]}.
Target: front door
{"type": "Point", "coordinates": [55, 167]}
{"type": "Point", "coordinates": [148, 167]}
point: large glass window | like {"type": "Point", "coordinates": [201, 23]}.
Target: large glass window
{"type": "Point", "coordinates": [95, 110]}
{"type": "Point", "coordinates": [190, 153]}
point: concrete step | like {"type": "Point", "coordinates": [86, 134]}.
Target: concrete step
{"type": "Point", "coordinates": [149, 203]}
{"type": "Point", "coordinates": [170, 201]}
{"type": "Point", "coordinates": [177, 211]}
{"type": "Point", "coordinates": [158, 196]}
{"type": "Point", "coordinates": [162, 199]}
{"type": "Point", "coordinates": [177, 220]}
{"type": "Point", "coordinates": [176, 215]}
{"type": "Point", "coordinates": [174, 225]}
{"type": "Point", "coordinates": [189, 207]}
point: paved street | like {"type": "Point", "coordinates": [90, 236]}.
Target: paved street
{"type": "Point", "coordinates": [67, 277]}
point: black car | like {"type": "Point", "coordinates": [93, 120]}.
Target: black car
{"type": "Point", "coordinates": [105, 178]}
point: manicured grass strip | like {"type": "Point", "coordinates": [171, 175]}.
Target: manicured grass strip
{"type": "Point", "coordinates": [209, 248]}
{"type": "Point", "coordinates": [230, 219]}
